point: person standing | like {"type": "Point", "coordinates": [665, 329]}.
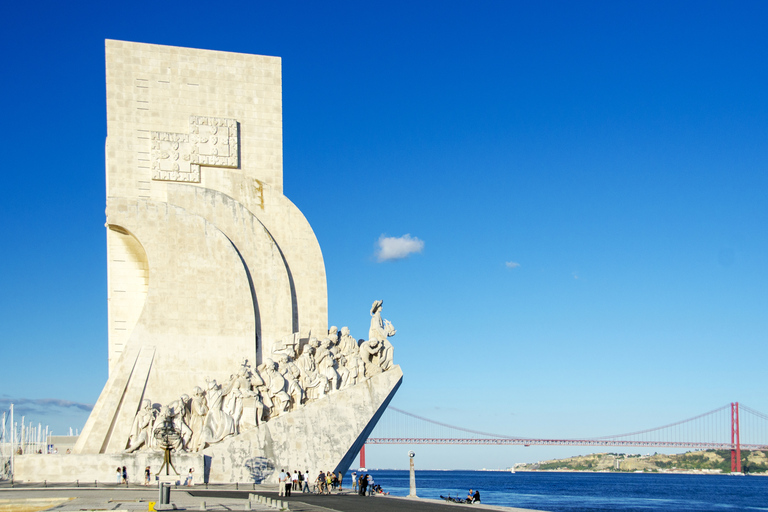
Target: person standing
{"type": "Point", "coordinates": [363, 484]}
{"type": "Point", "coordinates": [354, 481]}
{"type": "Point", "coordinates": [341, 478]}
{"type": "Point", "coordinates": [125, 476]}
{"type": "Point", "coordinates": [281, 483]}
{"type": "Point", "coordinates": [147, 475]}
{"type": "Point", "coordinates": [370, 484]}
{"type": "Point", "coordinates": [119, 476]}
{"type": "Point", "coordinates": [299, 481]}
{"type": "Point", "coordinates": [288, 484]}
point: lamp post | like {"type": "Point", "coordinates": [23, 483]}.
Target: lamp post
{"type": "Point", "coordinates": [412, 494]}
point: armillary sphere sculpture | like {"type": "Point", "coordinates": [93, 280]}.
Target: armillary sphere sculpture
{"type": "Point", "coordinates": [167, 437]}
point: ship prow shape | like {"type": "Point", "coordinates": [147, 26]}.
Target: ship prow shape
{"type": "Point", "coordinates": [325, 434]}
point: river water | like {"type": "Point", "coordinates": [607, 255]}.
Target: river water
{"type": "Point", "coordinates": [587, 492]}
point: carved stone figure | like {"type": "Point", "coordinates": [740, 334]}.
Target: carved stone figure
{"type": "Point", "coordinates": [185, 417]}
{"type": "Point", "coordinates": [347, 344]}
{"type": "Point", "coordinates": [292, 375]}
{"type": "Point", "coordinates": [238, 388]}
{"type": "Point", "coordinates": [326, 365]}
{"type": "Point", "coordinates": [333, 334]}
{"type": "Point", "coordinates": [311, 382]}
{"type": "Point", "coordinates": [198, 411]}
{"type": "Point", "coordinates": [218, 424]}
{"type": "Point", "coordinates": [141, 431]}
{"type": "Point", "coordinates": [370, 352]}
{"type": "Point", "coordinates": [381, 330]}
{"type": "Point", "coordinates": [276, 385]}
{"type": "Point", "coordinates": [343, 371]}
{"type": "Point", "coordinates": [355, 367]}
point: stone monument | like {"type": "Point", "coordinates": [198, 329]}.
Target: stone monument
{"type": "Point", "coordinates": [218, 329]}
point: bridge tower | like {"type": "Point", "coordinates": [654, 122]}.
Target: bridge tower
{"type": "Point", "coordinates": [735, 439]}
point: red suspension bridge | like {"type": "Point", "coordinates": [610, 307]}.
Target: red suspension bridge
{"type": "Point", "coordinates": [731, 427]}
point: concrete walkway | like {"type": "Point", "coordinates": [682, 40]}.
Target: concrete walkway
{"type": "Point", "coordinates": [119, 498]}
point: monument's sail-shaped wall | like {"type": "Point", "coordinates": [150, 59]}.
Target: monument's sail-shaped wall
{"type": "Point", "coordinates": [208, 262]}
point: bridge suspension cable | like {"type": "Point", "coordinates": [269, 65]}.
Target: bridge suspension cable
{"type": "Point", "coordinates": [711, 430]}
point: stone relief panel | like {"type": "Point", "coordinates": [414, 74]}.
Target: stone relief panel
{"type": "Point", "coordinates": [211, 142]}
{"type": "Point", "coordinates": [293, 375]}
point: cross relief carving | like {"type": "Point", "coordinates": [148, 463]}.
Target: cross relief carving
{"type": "Point", "coordinates": [211, 142]}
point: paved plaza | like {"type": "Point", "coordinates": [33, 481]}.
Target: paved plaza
{"type": "Point", "coordinates": [219, 498]}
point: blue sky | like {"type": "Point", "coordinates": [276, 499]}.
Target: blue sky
{"type": "Point", "coordinates": [585, 183]}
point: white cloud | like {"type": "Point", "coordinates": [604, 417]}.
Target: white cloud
{"type": "Point", "coordinates": [512, 264]}
{"type": "Point", "coordinates": [395, 248]}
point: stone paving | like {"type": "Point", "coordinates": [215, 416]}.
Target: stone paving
{"type": "Point", "coordinates": [218, 498]}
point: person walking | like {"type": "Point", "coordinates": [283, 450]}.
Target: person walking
{"type": "Point", "coordinates": [306, 482]}
{"type": "Point", "coordinates": [147, 475]}
{"type": "Point", "coordinates": [119, 476]}
{"type": "Point", "coordinates": [125, 476]}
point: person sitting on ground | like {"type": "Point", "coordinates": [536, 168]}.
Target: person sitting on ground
{"type": "Point", "coordinates": [470, 496]}
{"type": "Point", "coordinates": [476, 497]}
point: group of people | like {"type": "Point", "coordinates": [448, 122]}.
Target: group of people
{"type": "Point", "coordinates": [298, 481]}
{"type": "Point", "coordinates": [326, 482]}
{"type": "Point", "coordinates": [122, 476]}
{"type": "Point", "coordinates": [473, 497]}
{"type": "Point", "coordinates": [293, 374]}
{"type": "Point", "coordinates": [364, 484]}
{"type": "Point", "coordinates": [288, 482]}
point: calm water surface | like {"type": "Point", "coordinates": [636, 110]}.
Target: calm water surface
{"type": "Point", "coordinates": [585, 492]}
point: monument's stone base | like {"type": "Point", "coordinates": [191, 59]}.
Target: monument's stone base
{"type": "Point", "coordinates": [323, 435]}
{"type": "Point", "coordinates": [101, 467]}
